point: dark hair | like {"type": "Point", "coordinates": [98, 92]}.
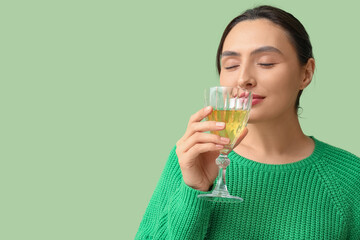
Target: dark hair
{"type": "Point", "coordinates": [298, 35]}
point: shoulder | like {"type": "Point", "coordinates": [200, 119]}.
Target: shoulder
{"type": "Point", "coordinates": [336, 156]}
{"type": "Point", "coordinates": [342, 165]}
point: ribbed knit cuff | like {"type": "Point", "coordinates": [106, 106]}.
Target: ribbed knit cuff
{"type": "Point", "coordinates": [188, 215]}
{"type": "Point", "coordinates": [188, 196]}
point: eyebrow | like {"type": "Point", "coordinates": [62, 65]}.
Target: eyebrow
{"type": "Point", "coordinates": [256, 51]}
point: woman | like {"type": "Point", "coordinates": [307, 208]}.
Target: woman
{"type": "Point", "coordinates": [294, 186]}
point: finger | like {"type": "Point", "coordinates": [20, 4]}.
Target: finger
{"type": "Point", "coordinates": [204, 138]}
{"type": "Point", "coordinates": [241, 137]}
{"type": "Point", "coordinates": [200, 115]}
{"type": "Point", "coordinates": [203, 127]}
{"type": "Point", "coordinates": [202, 148]}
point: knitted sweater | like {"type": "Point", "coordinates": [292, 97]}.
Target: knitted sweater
{"type": "Point", "coordinates": [315, 198]}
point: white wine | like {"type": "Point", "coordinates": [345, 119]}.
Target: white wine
{"type": "Point", "coordinates": [235, 121]}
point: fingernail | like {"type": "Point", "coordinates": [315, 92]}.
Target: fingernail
{"type": "Point", "coordinates": [220, 124]}
{"type": "Point", "coordinates": [224, 140]}
{"type": "Point", "coordinates": [208, 109]}
{"type": "Point", "coordinates": [219, 146]}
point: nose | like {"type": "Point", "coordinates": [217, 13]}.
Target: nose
{"type": "Point", "coordinates": [246, 78]}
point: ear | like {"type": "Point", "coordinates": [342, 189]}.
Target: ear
{"type": "Point", "coordinates": [308, 73]}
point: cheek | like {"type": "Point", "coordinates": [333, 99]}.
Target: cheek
{"type": "Point", "coordinates": [227, 79]}
{"type": "Point", "coordinates": [286, 80]}
{"type": "Point", "coordinates": [221, 79]}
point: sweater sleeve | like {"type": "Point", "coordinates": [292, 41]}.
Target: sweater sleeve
{"type": "Point", "coordinates": [350, 186]}
{"type": "Point", "coordinates": [174, 211]}
{"type": "Point", "coordinates": [346, 171]}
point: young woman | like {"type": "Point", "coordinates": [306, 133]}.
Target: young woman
{"type": "Point", "coordinates": [294, 186]}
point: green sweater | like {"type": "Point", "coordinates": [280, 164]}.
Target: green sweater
{"type": "Point", "coordinates": [315, 198]}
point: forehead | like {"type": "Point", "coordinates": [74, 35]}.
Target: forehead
{"type": "Point", "coordinates": [251, 34]}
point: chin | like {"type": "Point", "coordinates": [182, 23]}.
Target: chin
{"type": "Point", "coordinates": [251, 122]}
{"type": "Point", "coordinates": [253, 118]}
{"type": "Point", "coordinates": [256, 118]}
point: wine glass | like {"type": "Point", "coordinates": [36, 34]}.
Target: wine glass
{"type": "Point", "coordinates": [232, 106]}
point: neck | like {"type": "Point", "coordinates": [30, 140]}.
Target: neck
{"type": "Point", "coordinates": [276, 141]}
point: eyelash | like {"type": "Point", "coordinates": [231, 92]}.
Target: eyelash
{"type": "Point", "coordinates": [266, 64]}
{"type": "Point", "coordinates": [261, 64]}
{"type": "Point", "coordinates": [232, 67]}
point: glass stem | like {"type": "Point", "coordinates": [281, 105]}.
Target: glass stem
{"type": "Point", "coordinates": [222, 161]}
{"type": "Point", "coordinates": [220, 185]}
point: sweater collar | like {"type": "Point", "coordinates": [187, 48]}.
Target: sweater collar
{"type": "Point", "coordinates": [315, 156]}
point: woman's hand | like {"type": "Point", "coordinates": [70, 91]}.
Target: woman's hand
{"type": "Point", "coordinates": [197, 150]}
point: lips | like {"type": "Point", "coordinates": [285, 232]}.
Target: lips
{"type": "Point", "coordinates": [255, 96]}
{"type": "Point", "coordinates": [256, 99]}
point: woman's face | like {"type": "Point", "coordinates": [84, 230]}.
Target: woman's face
{"type": "Point", "coordinates": [258, 55]}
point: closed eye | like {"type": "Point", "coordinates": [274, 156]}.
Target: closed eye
{"type": "Point", "coordinates": [266, 64]}
{"type": "Point", "coordinates": [232, 67]}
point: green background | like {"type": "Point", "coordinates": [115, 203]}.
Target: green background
{"type": "Point", "coordinates": [94, 94]}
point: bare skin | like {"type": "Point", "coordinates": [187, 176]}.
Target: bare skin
{"type": "Point", "coordinates": [257, 55]}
